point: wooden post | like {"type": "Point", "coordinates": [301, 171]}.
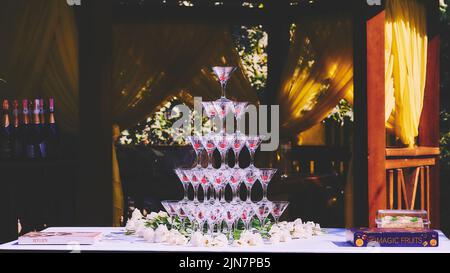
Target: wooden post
{"type": "Point", "coordinates": [370, 133]}
{"type": "Point", "coordinates": [94, 191]}
{"type": "Point", "coordinates": [429, 133]}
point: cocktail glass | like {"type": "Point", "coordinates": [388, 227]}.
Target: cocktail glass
{"type": "Point", "coordinates": [210, 146]}
{"type": "Point", "coordinates": [235, 181]}
{"type": "Point", "coordinates": [205, 183]}
{"type": "Point", "coordinates": [262, 210]}
{"type": "Point", "coordinates": [252, 143]}
{"type": "Point", "coordinates": [223, 74]}
{"type": "Point", "coordinates": [231, 213]}
{"type": "Point", "coordinates": [196, 142]}
{"type": "Point", "coordinates": [247, 214]}
{"type": "Point", "coordinates": [181, 212]}
{"type": "Point", "coordinates": [201, 212]}
{"type": "Point", "coordinates": [223, 107]}
{"type": "Point", "coordinates": [195, 181]}
{"type": "Point", "coordinates": [237, 143]}
{"type": "Point", "coordinates": [278, 208]}
{"type": "Point", "coordinates": [214, 216]}
{"type": "Point", "coordinates": [239, 111]}
{"type": "Point", "coordinates": [250, 176]}
{"type": "Point", "coordinates": [223, 143]}
{"type": "Point", "coordinates": [265, 176]}
{"type": "Point", "coordinates": [185, 181]}
{"type": "Point", "coordinates": [170, 207]}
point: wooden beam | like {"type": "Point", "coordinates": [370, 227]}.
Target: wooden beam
{"type": "Point", "coordinates": [94, 191]}
{"type": "Point", "coordinates": [409, 163]}
{"type": "Point", "coordinates": [429, 132]}
{"type": "Point", "coordinates": [412, 152]}
{"type": "Point", "coordinates": [375, 115]}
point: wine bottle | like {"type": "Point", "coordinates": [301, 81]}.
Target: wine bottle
{"type": "Point", "coordinates": [17, 144]}
{"type": "Point", "coordinates": [37, 137]}
{"type": "Point", "coordinates": [52, 136]}
{"type": "Point", "coordinates": [27, 132]}
{"type": "Point", "coordinates": [5, 133]}
{"type": "Point", "coordinates": [42, 128]}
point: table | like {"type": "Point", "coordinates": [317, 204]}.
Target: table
{"type": "Point", "coordinates": [115, 241]}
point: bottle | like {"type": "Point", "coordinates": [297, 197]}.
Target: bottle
{"type": "Point", "coordinates": [37, 137]}
{"type": "Point", "coordinates": [27, 132]}
{"type": "Point", "coordinates": [5, 133]}
{"type": "Point", "coordinates": [17, 145]}
{"type": "Point", "coordinates": [52, 136]}
{"type": "Point", "coordinates": [42, 128]}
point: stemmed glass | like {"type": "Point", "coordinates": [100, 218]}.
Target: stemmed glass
{"type": "Point", "coordinates": [196, 142]}
{"type": "Point", "coordinates": [170, 207]}
{"type": "Point", "coordinates": [231, 213]}
{"type": "Point", "coordinates": [247, 214]}
{"type": "Point", "coordinates": [239, 111]}
{"type": "Point", "coordinates": [219, 180]}
{"type": "Point", "coordinates": [278, 207]}
{"type": "Point", "coordinates": [238, 142]}
{"type": "Point", "coordinates": [252, 143]}
{"type": "Point", "coordinates": [265, 176]}
{"type": "Point", "coordinates": [214, 216]}
{"type": "Point", "coordinates": [190, 213]}
{"type": "Point", "coordinates": [181, 212]}
{"type": "Point", "coordinates": [223, 143]}
{"type": "Point", "coordinates": [223, 105]}
{"type": "Point", "coordinates": [185, 181]}
{"type": "Point", "coordinates": [262, 210]}
{"type": "Point", "coordinates": [210, 146]}
{"type": "Point", "coordinates": [195, 181]}
{"type": "Point", "coordinates": [235, 181]}
{"type": "Point", "coordinates": [210, 111]}
{"type": "Point", "coordinates": [250, 176]}
{"type": "Point", "coordinates": [223, 74]}
{"type": "Point", "coordinates": [204, 182]}
{"type": "Point", "coordinates": [201, 213]}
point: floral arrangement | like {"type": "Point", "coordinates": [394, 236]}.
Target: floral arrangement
{"type": "Point", "coordinates": [161, 228]}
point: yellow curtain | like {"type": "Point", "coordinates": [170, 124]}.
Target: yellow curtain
{"type": "Point", "coordinates": [319, 72]}
{"type": "Point", "coordinates": [406, 60]}
{"type": "Point", "coordinates": [38, 55]}
{"type": "Point", "coordinates": [153, 62]}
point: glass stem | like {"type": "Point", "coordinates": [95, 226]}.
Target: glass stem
{"type": "Point", "coordinates": [222, 157]}
{"type": "Point", "coordinates": [252, 158]}
{"type": "Point", "coordinates": [186, 188]}
{"type": "Point", "coordinates": [222, 195]}
{"type": "Point", "coordinates": [230, 231]}
{"type": "Point", "coordinates": [210, 159]}
{"type": "Point", "coordinates": [196, 193]}
{"type": "Point", "coordinates": [236, 159]}
{"type": "Point", "coordinates": [264, 186]}
{"type": "Point", "coordinates": [233, 190]}
{"type": "Point", "coordinates": [249, 194]}
{"type": "Point", "coordinates": [199, 161]}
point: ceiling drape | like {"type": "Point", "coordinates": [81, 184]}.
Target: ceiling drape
{"type": "Point", "coordinates": [153, 62]}
{"type": "Point", "coordinates": [39, 56]}
{"type": "Point", "coordinates": [406, 60]}
{"type": "Point", "coordinates": [319, 72]}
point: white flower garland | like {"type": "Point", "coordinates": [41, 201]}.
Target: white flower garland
{"type": "Point", "coordinates": [154, 230]}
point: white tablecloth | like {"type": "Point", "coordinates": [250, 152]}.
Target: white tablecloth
{"type": "Point", "coordinates": [114, 240]}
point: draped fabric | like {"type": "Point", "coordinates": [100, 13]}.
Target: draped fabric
{"type": "Point", "coordinates": [153, 62]}
{"type": "Point", "coordinates": [319, 72]}
{"type": "Point", "coordinates": [406, 60]}
{"type": "Point", "coordinates": [38, 55]}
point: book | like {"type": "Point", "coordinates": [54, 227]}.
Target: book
{"type": "Point", "coordinates": [383, 237]}
{"type": "Point", "coordinates": [60, 238]}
